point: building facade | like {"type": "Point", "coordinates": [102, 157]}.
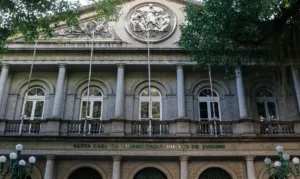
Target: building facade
{"type": "Point", "coordinates": [195, 133]}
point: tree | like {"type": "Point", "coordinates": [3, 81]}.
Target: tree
{"type": "Point", "coordinates": [230, 33]}
{"type": "Point", "coordinates": [36, 18]}
{"type": "Point", "coordinates": [33, 17]}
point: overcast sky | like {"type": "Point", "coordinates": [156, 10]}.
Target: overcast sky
{"type": "Point", "coordinates": [85, 2]}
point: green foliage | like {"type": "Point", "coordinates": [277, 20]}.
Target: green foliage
{"type": "Point", "coordinates": [31, 18]}
{"type": "Point", "coordinates": [108, 9]}
{"type": "Point", "coordinates": [229, 33]}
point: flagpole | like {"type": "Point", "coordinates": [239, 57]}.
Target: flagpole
{"type": "Point", "coordinates": [88, 90]}
{"type": "Point", "coordinates": [213, 103]}
{"type": "Point", "coordinates": [149, 87]}
{"type": "Point", "coordinates": [28, 86]}
{"type": "Point", "coordinates": [212, 93]}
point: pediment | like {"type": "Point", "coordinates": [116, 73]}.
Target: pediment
{"type": "Point", "coordinates": [160, 19]}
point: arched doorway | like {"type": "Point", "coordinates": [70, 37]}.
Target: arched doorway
{"type": "Point", "coordinates": [215, 173]}
{"type": "Point", "coordinates": [85, 173]}
{"type": "Point", "coordinates": [150, 173]}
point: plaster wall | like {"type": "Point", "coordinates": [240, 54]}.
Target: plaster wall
{"type": "Point", "coordinates": [76, 83]}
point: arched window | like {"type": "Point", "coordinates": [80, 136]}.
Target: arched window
{"type": "Point", "coordinates": [150, 173]}
{"type": "Point", "coordinates": [215, 173]}
{"type": "Point", "coordinates": [85, 173]}
{"type": "Point", "coordinates": [266, 104]}
{"type": "Point", "coordinates": [94, 108]}
{"type": "Point", "coordinates": [156, 103]}
{"type": "Point", "coordinates": [34, 103]}
{"type": "Point", "coordinates": [206, 101]}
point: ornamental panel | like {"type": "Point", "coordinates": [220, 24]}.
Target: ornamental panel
{"type": "Point", "coordinates": [151, 21]}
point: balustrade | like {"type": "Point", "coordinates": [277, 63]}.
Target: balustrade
{"type": "Point", "coordinates": [277, 127]}
{"type": "Point", "coordinates": [93, 127]}
{"type": "Point", "coordinates": [141, 128]}
{"type": "Point", "coordinates": [28, 127]}
{"type": "Point", "coordinates": [157, 128]}
{"type": "Point", "coordinates": [214, 127]}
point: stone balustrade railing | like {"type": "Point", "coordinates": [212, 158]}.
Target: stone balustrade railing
{"type": "Point", "coordinates": [121, 127]}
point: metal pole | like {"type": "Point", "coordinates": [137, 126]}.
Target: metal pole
{"type": "Point", "coordinates": [88, 90]}
{"type": "Point", "coordinates": [213, 103]}
{"type": "Point", "coordinates": [149, 86]}
{"type": "Point", "coordinates": [28, 86]}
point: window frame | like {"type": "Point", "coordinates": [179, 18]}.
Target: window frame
{"type": "Point", "coordinates": [153, 99]}
{"type": "Point", "coordinates": [265, 100]}
{"type": "Point", "coordinates": [92, 100]}
{"type": "Point", "coordinates": [34, 99]}
{"type": "Point", "coordinates": [208, 101]}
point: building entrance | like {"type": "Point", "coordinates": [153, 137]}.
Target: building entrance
{"type": "Point", "coordinates": [215, 173]}
{"type": "Point", "coordinates": [150, 173]}
{"type": "Point", "coordinates": [85, 173]}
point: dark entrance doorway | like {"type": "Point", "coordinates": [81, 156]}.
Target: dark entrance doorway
{"type": "Point", "coordinates": [85, 173]}
{"type": "Point", "coordinates": [150, 173]}
{"type": "Point", "coordinates": [215, 173]}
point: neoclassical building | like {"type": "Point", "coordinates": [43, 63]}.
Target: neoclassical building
{"type": "Point", "coordinates": [196, 132]}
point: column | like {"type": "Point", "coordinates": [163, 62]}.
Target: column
{"type": "Point", "coordinates": [56, 113]}
{"type": "Point", "coordinates": [250, 167]}
{"type": "Point", "coordinates": [119, 109]}
{"type": "Point", "coordinates": [184, 172]}
{"type": "Point", "coordinates": [49, 167]}
{"type": "Point", "coordinates": [3, 79]}
{"type": "Point", "coordinates": [180, 92]}
{"type": "Point", "coordinates": [241, 95]}
{"type": "Point", "coordinates": [295, 74]}
{"type": "Point", "coordinates": [116, 167]}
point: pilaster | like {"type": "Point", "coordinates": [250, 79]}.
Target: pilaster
{"type": "Point", "coordinates": [241, 94]}
{"type": "Point", "coordinates": [119, 106]}
{"type": "Point", "coordinates": [180, 92]}
{"type": "Point", "coordinates": [3, 79]}
{"type": "Point", "coordinates": [184, 167]}
{"type": "Point", "coordinates": [116, 174]}
{"type": "Point", "coordinates": [250, 167]}
{"type": "Point", "coordinates": [296, 81]}
{"type": "Point", "coordinates": [56, 113]}
{"type": "Point", "coordinates": [49, 167]}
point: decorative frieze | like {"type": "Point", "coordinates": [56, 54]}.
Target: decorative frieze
{"type": "Point", "coordinates": [101, 30]}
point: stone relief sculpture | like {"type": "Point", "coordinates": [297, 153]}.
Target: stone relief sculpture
{"type": "Point", "coordinates": [102, 30]}
{"type": "Point", "coordinates": [151, 19]}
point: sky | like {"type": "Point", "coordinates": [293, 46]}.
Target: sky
{"type": "Point", "coordinates": [85, 2]}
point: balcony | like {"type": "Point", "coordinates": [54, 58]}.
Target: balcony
{"type": "Point", "coordinates": [131, 128]}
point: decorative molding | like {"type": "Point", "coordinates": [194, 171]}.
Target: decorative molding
{"type": "Point", "coordinates": [203, 168]}
{"type": "Point", "coordinates": [151, 21]}
{"type": "Point", "coordinates": [149, 165]}
{"type": "Point", "coordinates": [117, 157]}
{"type": "Point", "coordinates": [50, 157]}
{"type": "Point", "coordinates": [91, 165]}
{"type": "Point", "coordinates": [249, 158]}
{"type": "Point", "coordinates": [101, 30]}
{"type": "Point", "coordinates": [218, 85]}
{"type": "Point", "coordinates": [141, 84]}
{"type": "Point", "coordinates": [184, 158]}
{"type": "Point", "coordinates": [44, 83]}
{"type": "Point", "coordinates": [5, 65]}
